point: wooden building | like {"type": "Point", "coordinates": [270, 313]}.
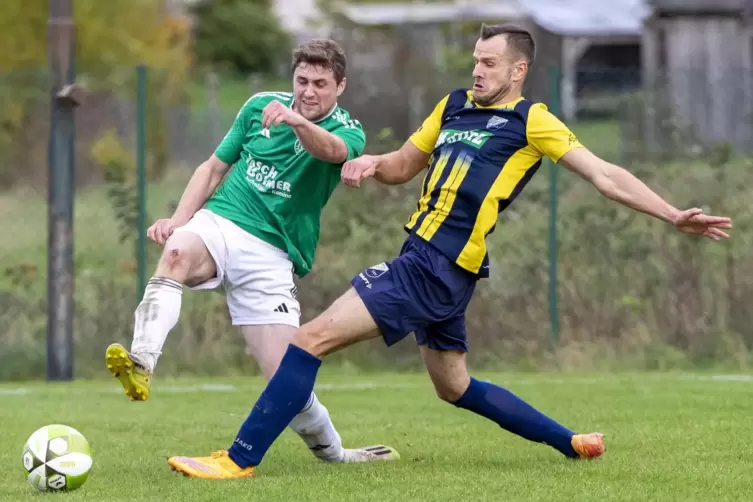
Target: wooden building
{"type": "Point", "coordinates": [594, 48]}
{"type": "Point", "coordinates": [697, 62]}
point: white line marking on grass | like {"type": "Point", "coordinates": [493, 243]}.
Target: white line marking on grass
{"type": "Point", "coordinates": [717, 378]}
{"type": "Point", "coordinates": [194, 388]}
{"type": "Point", "coordinates": [362, 386]}
{"type": "Point", "coordinates": [733, 378]}
{"type": "Point", "coordinates": [177, 389]}
{"type": "Point", "coordinates": [14, 392]}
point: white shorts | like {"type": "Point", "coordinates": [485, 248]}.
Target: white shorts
{"type": "Point", "coordinates": [256, 277]}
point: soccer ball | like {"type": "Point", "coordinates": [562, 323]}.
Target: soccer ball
{"type": "Point", "coordinates": [57, 458]}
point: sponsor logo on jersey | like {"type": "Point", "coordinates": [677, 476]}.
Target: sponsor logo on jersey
{"type": "Point", "coordinates": [472, 138]}
{"type": "Point", "coordinates": [264, 178]}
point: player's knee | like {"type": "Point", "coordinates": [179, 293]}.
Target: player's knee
{"type": "Point", "coordinates": [183, 258]}
{"type": "Point", "coordinates": [315, 339]}
{"type": "Point", "coordinates": [176, 259]}
{"type": "Point", "coordinates": [451, 389]}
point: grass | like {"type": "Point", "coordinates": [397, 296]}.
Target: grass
{"type": "Point", "coordinates": [94, 223]}
{"type": "Point", "coordinates": [669, 437]}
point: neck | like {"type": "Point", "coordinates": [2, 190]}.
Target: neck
{"type": "Point", "coordinates": [513, 93]}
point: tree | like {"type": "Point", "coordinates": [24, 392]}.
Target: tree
{"type": "Point", "coordinates": [112, 37]}
{"type": "Point", "coordinates": [242, 36]}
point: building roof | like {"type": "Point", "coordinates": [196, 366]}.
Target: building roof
{"type": "Point", "coordinates": [588, 17]}
{"type": "Point", "coordinates": [406, 13]}
{"type": "Point", "coordinates": [571, 17]}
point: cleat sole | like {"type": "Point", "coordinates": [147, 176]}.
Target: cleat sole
{"type": "Point", "coordinates": [121, 367]}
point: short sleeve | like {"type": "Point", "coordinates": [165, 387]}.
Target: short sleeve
{"type": "Point", "coordinates": [353, 136]}
{"type": "Point", "coordinates": [426, 136]}
{"type": "Point", "coordinates": [229, 149]}
{"type": "Point", "coordinates": [548, 134]}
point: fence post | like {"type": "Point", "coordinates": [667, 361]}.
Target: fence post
{"type": "Point", "coordinates": [554, 319]}
{"type": "Point", "coordinates": [61, 187]}
{"type": "Point", "coordinates": [141, 255]}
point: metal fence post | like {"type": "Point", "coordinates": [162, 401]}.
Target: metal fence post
{"type": "Point", "coordinates": [61, 187]}
{"type": "Point", "coordinates": [554, 319]}
{"type": "Point", "coordinates": [141, 254]}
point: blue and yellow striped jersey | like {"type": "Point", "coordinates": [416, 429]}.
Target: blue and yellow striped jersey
{"type": "Point", "coordinates": [481, 159]}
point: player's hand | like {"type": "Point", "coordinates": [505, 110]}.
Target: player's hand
{"type": "Point", "coordinates": [693, 221]}
{"type": "Point", "coordinates": [355, 171]}
{"type": "Point", "coordinates": [275, 113]}
{"type": "Point", "coordinates": [162, 229]}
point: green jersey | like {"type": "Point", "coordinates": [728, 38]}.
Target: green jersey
{"type": "Point", "coordinates": [276, 190]}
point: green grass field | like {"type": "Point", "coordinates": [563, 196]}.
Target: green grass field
{"type": "Point", "coordinates": [669, 437]}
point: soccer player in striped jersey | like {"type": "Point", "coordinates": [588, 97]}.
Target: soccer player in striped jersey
{"type": "Point", "coordinates": [247, 236]}
{"type": "Point", "coordinates": [481, 146]}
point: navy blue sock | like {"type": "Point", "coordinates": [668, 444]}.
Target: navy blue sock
{"type": "Point", "coordinates": [515, 415]}
{"type": "Point", "coordinates": [286, 394]}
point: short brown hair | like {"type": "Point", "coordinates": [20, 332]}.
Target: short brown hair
{"type": "Point", "coordinates": [321, 52]}
{"type": "Point", "coordinates": [518, 38]}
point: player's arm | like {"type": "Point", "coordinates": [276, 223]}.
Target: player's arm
{"type": "Point", "coordinates": [553, 139]}
{"type": "Point", "coordinates": [403, 165]}
{"type": "Point", "coordinates": [621, 186]}
{"type": "Point", "coordinates": [321, 144]}
{"type": "Point", "coordinates": [207, 177]}
{"type": "Point", "coordinates": [204, 181]}
{"type": "Point", "coordinates": [618, 184]}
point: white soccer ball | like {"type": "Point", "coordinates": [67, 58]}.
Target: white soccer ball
{"type": "Point", "coordinates": [57, 458]}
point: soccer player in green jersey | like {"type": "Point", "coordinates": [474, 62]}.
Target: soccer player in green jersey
{"type": "Point", "coordinates": [248, 237]}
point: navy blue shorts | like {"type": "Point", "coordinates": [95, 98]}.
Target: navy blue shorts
{"type": "Point", "coordinates": [422, 292]}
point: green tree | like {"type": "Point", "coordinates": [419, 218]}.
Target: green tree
{"type": "Point", "coordinates": [112, 37]}
{"type": "Point", "coordinates": [242, 36]}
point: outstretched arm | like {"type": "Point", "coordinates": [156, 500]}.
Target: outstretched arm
{"type": "Point", "coordinates": [394, 168]}
{"type": "Point", "coordinates": [621, 186]}
{"type": "Point", "coordinates": [402, 165]}
{"type": "Point", "coordinates": [550, 137]}
{"type": "Point", "coordinates": [618, 184]}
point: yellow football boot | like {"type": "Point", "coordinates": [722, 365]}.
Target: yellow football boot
{"type": "Point", "coordinates": [589, 446]}
{"type": "Point", "coordinates": [133, 376]}
{"type": "Point", "coordinates": [217, 466]}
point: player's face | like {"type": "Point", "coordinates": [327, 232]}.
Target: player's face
{"type": "Point", "coordinates": [315, 90]}
{"type": "Point", "coordinates": [497, 69]}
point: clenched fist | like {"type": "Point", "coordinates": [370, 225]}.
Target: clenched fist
{"type": "Point", "coordinates": [355, 171]}
{"type": "Point", "coordinates": [275, 113]}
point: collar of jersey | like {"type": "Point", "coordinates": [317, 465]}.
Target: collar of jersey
{"type": "Point", "coordinates": [323, 118]}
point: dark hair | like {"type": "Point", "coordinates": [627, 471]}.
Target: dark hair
{"type": "Point", "coordinates": [321, 52]}
{"type": "Point", "coordinates": [519, 39]}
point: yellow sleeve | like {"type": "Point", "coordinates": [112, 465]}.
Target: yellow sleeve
{"type": "Point", "coordinates": [547, 134]}
{"type": "Point", "coordinates": [426, 136]}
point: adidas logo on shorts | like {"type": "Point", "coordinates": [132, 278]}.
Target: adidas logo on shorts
{"type": "Point", "coordinates": [282, 308]}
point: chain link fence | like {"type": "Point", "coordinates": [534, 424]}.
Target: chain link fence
{"type": "Point", "coordinates": [628, 291]}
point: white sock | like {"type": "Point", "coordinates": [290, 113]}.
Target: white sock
{"type": "Point", "coordinates": [155, 316]}
{"type": "Point", "coordinates": [316, 429]}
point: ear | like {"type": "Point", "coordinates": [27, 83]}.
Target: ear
{"type": "Point", "coordinates": [341, 86]}
{"type": "Point", "coordinates": [519, 71]}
